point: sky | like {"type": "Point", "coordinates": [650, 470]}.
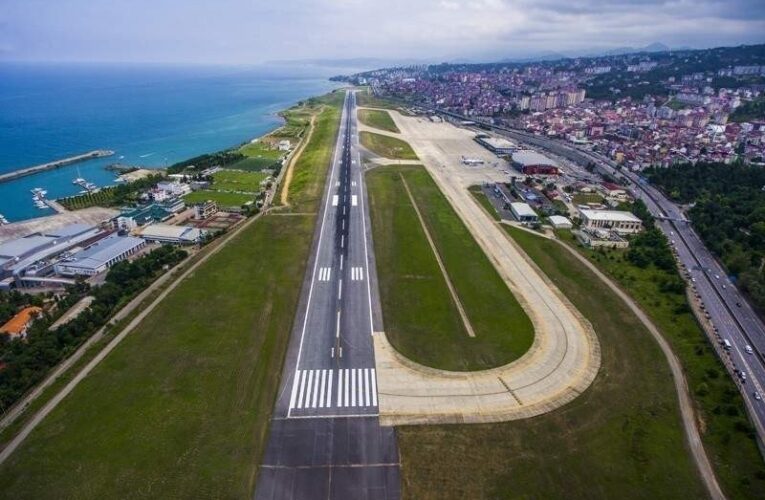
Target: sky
{"type": "Point", "coordinates": [256, 31]}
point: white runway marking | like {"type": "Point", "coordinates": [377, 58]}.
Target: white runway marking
{"type": "Point", "coordinates": [357, 274]}
{"type": "Point", "coordinates": [325, 273]}
{"type": "Point", "coordinates": [354, 200]}
{"type": "Point", "coordinates": [335, 199]}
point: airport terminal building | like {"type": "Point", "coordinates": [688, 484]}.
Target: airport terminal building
{"type": "Point", "coordinates": [100, 256]}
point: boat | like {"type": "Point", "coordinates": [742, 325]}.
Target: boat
{"type": "Point", "coordinates": [38, 193]}
{"type": "Point", "coordinates": [3, 220]}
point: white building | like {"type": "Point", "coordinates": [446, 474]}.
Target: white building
{"type": "Point", "coordinates": [523, 212]}
{"type": "Point", "coordinates": [174, 235]}
{"type": "Point", "coordinates": [205, 210]}
{"type": "Point", "coordinates": [100, 256]}
{"type": "Point", "coordinates": [614, 220]}
{"type": "Point", "coordinates": [560, 222]}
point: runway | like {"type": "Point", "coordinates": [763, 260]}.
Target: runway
{"type": "Point", "coordinates": [326, 440]}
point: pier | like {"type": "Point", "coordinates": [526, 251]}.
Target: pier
{"type": "Point", "coordinates": [23, 172]}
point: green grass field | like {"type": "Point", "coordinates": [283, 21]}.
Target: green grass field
{"type": "Point", "coordinates": [181, 408]}
{"type": "Point", "coordinates": [585, 198]}
{"type": "Point", "coordinates": [310, 172]}
{"type": "Point", "coordinates": [260, 149]}
{"type": "Point", "coordinates": [420, 317]}
{"type": "Point", "coordinates": [223, 199]}
{"type": "Point", "coordinates": [622, 438]}
{"type": "Point", "coordinates": [255, 164]}
{"type": "Point", "coordinates": [378, 119]}
{"type": "Point", "coordinates": [233, 180]}
{"type": "Point", "coordinates": [480, 196]}
{"type": "Point", "coordinates": [727, 435]}
{"type": "Point", "coordinates": [387, 147]}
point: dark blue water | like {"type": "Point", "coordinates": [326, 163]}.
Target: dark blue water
{"type": "Point", "coordinates": [151, 116]}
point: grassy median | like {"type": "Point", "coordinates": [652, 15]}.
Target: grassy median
{"type": "Point", "coordinates": [387, 147]}
{"type": "Point", "coordinates": [421, 319]}
{"type": "Point", "coordinates": [180, 409]}
{"type": "Point", "coordinates": [378, 119]}
{"type": "Point", "coordinates": [622, 438]}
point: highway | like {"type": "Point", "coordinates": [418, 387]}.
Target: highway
{"type": "Point", "coordinates": [325, 438]}
{"type": "Point", "coordinates": [729, 313]}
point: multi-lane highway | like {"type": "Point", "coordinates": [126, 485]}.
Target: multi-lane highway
{"type": "Point", "coordinates": [325, 439]}
{"type": "Point", "coordinates": [729, 313]}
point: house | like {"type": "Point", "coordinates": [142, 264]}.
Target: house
{"type": "Point", "coordinates": [18, 325]}
{"type": "Point", "coordinates": [611, 190]}
{"type": "Point", "coordinates": [284, 145]}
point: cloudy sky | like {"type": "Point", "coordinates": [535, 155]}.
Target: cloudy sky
{"type": "Point", "coordinates": [253, 31]}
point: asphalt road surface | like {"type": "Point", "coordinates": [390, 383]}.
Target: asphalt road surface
{"type": "Point", "coordinates": [325, 439]}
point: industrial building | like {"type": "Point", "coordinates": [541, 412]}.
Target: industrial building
{"type": "Point", "coordinates": [100, 256]}
{"type": "Point", "coordinates": [613, 220]}
{"type": "Point", "coordinates": [496, 145]}
{"type": "Point", "coordinates": [523, 212]}
{"type": "Point", "coordinates": [532, 163]}
{"type": "Point", "coordinates": [31, 256]}
{"type": "Point", "coordinates": [173, 235]}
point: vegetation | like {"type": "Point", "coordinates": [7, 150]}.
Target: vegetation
{"type": "Point", "coordinates": [183, 403]}
{"type": "Point", "coordinates": [387, 147]}
{"type": "Point", "coordinates": [585, 198]}
{"type": "Point", "coordinates": [237, 181]}
{"type": "Point", "coordinates": [647, 271]}
{"type": "Point", "coordinates": [752, 110]}
{"type": "Point", "coordinates": [366, 99]}
{"type": "Point", "coordinates": [621, 438]}
{"type": "Point", "coordinates": [222, 198]}
{"type": "Point", "coordinates": [113, 196]}
{"type": "Point", "coordinates": [310, 169]}
{"type": "Point", "coordinates": [481, 197]}
{"type": "Point", "coordinates": [199, 381]}
{"type": "Point", "coordinates": [378, 119]}
{"type": "Point", "coordinates": [205, 161]}
{"type": "Point", "coordinates": [728, 213]}
{"type": "Point", "coordinates": [421, 319]}
{"type": "Point", "coordinates": [27, 361]}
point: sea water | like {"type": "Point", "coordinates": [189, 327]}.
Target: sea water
{"type": "Point", "coordinates": [149, 115]}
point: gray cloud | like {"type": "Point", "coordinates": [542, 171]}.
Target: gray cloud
{"type": "Point", "coordinates": [232, 31]}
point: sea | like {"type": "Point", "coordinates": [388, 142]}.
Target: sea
{"type": "Point", "coordinates": [151, 116]}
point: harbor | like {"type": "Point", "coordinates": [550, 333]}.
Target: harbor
{"type": "Point", "coordinates": [23, 172]}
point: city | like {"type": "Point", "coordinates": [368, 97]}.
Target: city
{"type": "Point", "coordinates": [436, 250]}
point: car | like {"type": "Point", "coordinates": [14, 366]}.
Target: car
{"type": "Point", "coordinates": [738, 304]}
{"type": "Point", "coordinates": [748, 349]}
{"type": "Point", "coordinates": [693, 279]}
{"type": "Point", "coordinates": [723, 287]}
{"type": "Point", "coordinates": [757, 395]}
{"type": "Point", "coordinates": [742, 375]}
{"type": "Point", "coordinates": [717, 276]}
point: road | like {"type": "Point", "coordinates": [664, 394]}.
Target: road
{"type": "Point", "coordinates": [325, 439]}
{"type": "Point", "coordinates": [729, 313]}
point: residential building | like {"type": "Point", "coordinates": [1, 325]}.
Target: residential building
{"type": "Point", "coordinates": [18, 325]}
{"type": "Point", "coordinates": [205, 210]}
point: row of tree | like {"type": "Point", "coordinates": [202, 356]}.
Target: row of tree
{"type": "Point", "coordinates": [26, 362]}
{"type": "Point", "coordinates": [727, 207]}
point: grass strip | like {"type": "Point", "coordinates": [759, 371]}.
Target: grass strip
{"type": "Point", "coordinates": [387, 147]}
{"type": "Point", "coordinates": [622, 438]}
{"type": "Point", "coordinates": [420, 318]}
